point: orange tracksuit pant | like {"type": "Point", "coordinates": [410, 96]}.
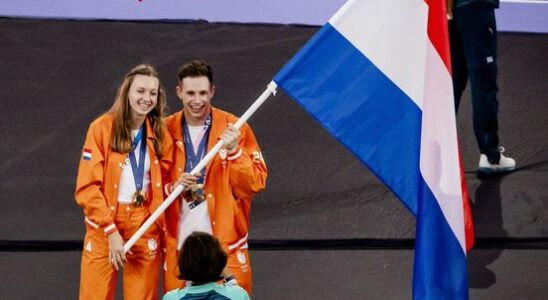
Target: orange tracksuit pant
{"type": "Point", "coordinates": [238, 265]}
{"type": "Point", "coordinates": [140, 272]}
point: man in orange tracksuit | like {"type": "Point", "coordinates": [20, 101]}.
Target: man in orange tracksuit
{"type": "Point", "coordinates": [230, 180]}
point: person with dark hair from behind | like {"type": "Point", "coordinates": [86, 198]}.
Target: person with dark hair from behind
{"type": "Point", "coordinates": [201, 263]}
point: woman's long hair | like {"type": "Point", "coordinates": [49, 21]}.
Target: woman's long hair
{"type": "Point", "coordinates": [121, 138]}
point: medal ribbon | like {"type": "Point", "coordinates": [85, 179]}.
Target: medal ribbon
{"type": "Point", "coordinates": [193, 156]}
{"type": "Point", "coordinates": [138, 170]}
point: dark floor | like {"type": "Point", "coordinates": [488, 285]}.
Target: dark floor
{"type": "Point", "coordinates": [343, 274]}
{"type": "Point", "coordinates": [57, 76]}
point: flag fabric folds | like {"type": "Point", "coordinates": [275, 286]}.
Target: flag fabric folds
{"type": "Point", "coordinates": [377, 77]}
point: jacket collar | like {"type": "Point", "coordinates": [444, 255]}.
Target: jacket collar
{"type": "Point", "coordinates": [176, 130]}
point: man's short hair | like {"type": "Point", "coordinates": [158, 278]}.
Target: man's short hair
{"type": "Point", "coordinates": [196, 68]}
{"type": "Point", "coordinates": [201, 259]}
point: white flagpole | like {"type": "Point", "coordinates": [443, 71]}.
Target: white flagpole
{"type": "Point", "coordinates": [271, 89]}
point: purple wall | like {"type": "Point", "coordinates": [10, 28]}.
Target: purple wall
{"type": "Point", "coordinates": [523, 16]}
{"type": "Point", "coordinates": [514, 15]}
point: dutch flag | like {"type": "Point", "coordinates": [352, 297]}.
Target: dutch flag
{"type": "Point", "coordinates": [86, 154]}
{"type": "Point", "coordinates": [377, 76]}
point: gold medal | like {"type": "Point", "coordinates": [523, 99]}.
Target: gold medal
{"type": "Point", "coordinates": [139, 198]}
{"type": "Point", "coordinates": [197, 193]}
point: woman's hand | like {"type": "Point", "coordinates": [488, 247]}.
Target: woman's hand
{"type": "Point", "coordinates": [116, 255]}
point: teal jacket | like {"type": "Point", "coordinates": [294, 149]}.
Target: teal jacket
{"type": "Point", "coordinates": [209, 291]}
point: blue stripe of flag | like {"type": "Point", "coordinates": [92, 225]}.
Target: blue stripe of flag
{"type": "Point", "coordinates": [440, 263]}
{"type": "Point", "coordinates": [355, 102]}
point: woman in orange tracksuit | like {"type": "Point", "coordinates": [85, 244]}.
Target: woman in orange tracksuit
{"type": "Point", "coordinates": [119, 184]}
{"type": "Point", "coordinates": [230, 180]}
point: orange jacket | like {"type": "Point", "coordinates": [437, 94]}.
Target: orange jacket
{"type": "Point", "coordinates": [100, 169]}
{"type": "Point", "coordinates": [230, 182]}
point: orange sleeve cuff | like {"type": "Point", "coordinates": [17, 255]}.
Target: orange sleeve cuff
{"type": "Point", "coordinates": [235, 154]}
{"type": "Point", "coordinates": [110, 229]}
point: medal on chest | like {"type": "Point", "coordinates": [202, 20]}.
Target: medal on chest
{"type": "Point", "coordinates": [138, 167]}
{"type": "Point", "coordinates": [139, 198]}
{"type": "Point", "coordinates": [196, 195]}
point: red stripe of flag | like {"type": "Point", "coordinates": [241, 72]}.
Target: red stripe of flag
{"type": "Point", "coordinates": [437, 29]}
{"type": "Point", "coordinates": [438, 34]}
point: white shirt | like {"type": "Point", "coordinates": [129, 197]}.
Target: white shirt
{"type": "Point", "coordinates": [127, 183]}
{"type": "Point", "coordinates": [197, 218]}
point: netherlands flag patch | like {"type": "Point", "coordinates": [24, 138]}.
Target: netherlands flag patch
{"type": "Point", "coordinates": [86, 154]}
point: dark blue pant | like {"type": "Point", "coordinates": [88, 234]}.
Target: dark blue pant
{"type": "Point", "coordinates": [473, 37]}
